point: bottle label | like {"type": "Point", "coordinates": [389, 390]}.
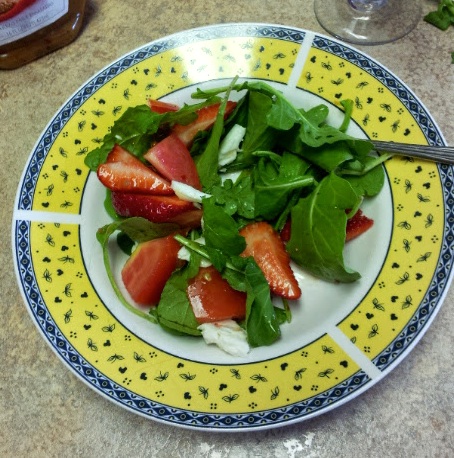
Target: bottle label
{"type": "Point", "coordinates": [38, 15]}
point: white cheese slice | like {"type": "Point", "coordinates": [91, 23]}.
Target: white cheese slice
{"type": "Point", "coordinates": [186, 192]}
{"type": "Point", "coordinates": [230, 145]}
{"type": "Point", "coordinates": [228, 335]}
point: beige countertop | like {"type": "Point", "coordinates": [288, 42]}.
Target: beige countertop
{"type": "Point", "coordinates": [45, 410]}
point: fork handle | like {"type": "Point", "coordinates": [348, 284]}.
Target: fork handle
{"type": "Point", "coordinates": [444, 154]}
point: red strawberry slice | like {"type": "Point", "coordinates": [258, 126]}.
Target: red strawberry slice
{"type": "Point", "coordinates": [148, 268]}
{"type": "Point", "coordinates": [158, 209]}
{"type": "Point", "coordinates": [124, 172]}
{"type": "Point", "coordinates": [213, 299]}
{"type": "Point", "coordinates": [172, 159]}
{"type": "Point", "coordinates": [286, 231]}
{"type": "Point", "coordinates": [159, 106]}
{"type": "Point", "coordinates": [357, 225]}
{"type": "Point", "coordinates": [205, 119]}
{"type": "Point", "coordinates": [267, 248]}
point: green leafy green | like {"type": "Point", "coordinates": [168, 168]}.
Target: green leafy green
{"type": "Point", "coordinates": [259, 134]}
{"type": "Point", "coordinates": [133, 131]}
{"type": "Point", "coordinates": [329, 157]}
{"type": "Point", "coordinates": [137, 228]}
{"type": "Point", "coordinates": [220, 229]}
{"type": "Point", "coordinates": [174, 311]}
{"type": "Point", "coordinates": [368, 184]}
{"type": "Point", "coordinates": [282, 115]}
{"type": "Point", "coordinates": [318, 229]}
{"type": "Point", "coordinates": [443, 16]}
{"type": "Point", "coordinates": [125, 243]}
{"type": "Point", "coordinates": [236, 198]}
{"type": "Point", "coordinates": [109, 207]}
{"type": "Point", "coordinates": [207, 162]}
{"type": "Point", "coordinates": [290, 164]}
{"type": "Point", "coordinates": [262, 324]}
{"type": "Point", "coordinates": [275, 183]}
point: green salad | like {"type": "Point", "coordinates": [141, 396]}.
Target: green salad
{"type": "Point", "coordinates": [264, 161]}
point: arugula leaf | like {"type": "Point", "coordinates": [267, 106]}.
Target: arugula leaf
{"type": "Point", "coordinates": [133, 131]}
{"type": "Point", "coordinates": [215, 256]}
{"type": "Point", "coordinates": [364, 166]}
{"type": "Point", "coordinates": [125, 243]}
{"type": "Point", "coordinates": [318, 230]}
{"type": "Point", "coordinates": [332, 156]}
{"type": "Point", "coordinates": [283, 115]}
{"type": "Point", "coordinates": [328, 157]}
{"type": "Point", "coordinates": [443, 16]}
{"type": "Point", "coordinates": [236, 198]}
{"type": "Point", "coordinates": [262, 323]}
{"type": "Point", "coordinates": [259, 136]}
{"type": "Point", "coordinates": [137, 228]}
{"type": "Point", "coordinates": [207, 163]}
{"type": "Point", "coordinates": [174, 311]}
{"type": "Point", "coordinates": [108, 206]}
{"type": "Point", "coordinates": [348, 107]}
{"type": "Point", "coordinates": [368, 184]}
{"type": "Point", "coordinates": [317, 114]}
{"type": "Point", "coordinates": [274, 184]}
{"type": "Point", "coordinates": [220, 229]}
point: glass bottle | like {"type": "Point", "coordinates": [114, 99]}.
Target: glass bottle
{"type": "Point", "coordinates": [40, 28]}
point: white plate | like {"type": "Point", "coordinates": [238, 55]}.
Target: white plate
{"type": "Point", "coordinates": [342, 339]}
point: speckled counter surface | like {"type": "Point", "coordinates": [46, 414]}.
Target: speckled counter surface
{"type": "Point", "coordinates": [46, 411]}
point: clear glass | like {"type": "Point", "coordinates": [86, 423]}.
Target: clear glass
{"type": "Point", "coordinates": [368, 22]}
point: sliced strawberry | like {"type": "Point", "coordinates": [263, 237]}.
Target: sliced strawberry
{"type": "Point", "coordinates": [148, 268]}
{"type": "Point", "coordinates": [213, 299]}
{"type": "Point", "coordinates": [124, 172]}
{"type": "Point", "coordinates": [158, 106]}
{"type": "Point", "coordinates": [158, 209]}
{"type": "Point", "coordinates": [357, 225]}
{"type": "Point", "coordinates": [266, 247]}
{"type": "Point", "coordinates": [205, 119]}
{"type": "Point", "coordinates": [172, 159]}
{"type": "Point", "coordinates": [286, 231]}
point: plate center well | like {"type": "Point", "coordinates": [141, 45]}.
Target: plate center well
{"type": "Point", "coordinates": [322, 306]}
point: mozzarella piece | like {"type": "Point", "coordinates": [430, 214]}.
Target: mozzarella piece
{"type": "Point", "coordinates": [188, 193]}
{"type": "Point", "coordinates": [230, 176]}
{"type": "Point", "coordinates": [230, 145]}
{"type": "Point", "coordinates": [228, 335]}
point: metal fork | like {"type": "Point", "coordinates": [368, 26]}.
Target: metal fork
{"type": "Point", "coordinates": [443, 154]}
